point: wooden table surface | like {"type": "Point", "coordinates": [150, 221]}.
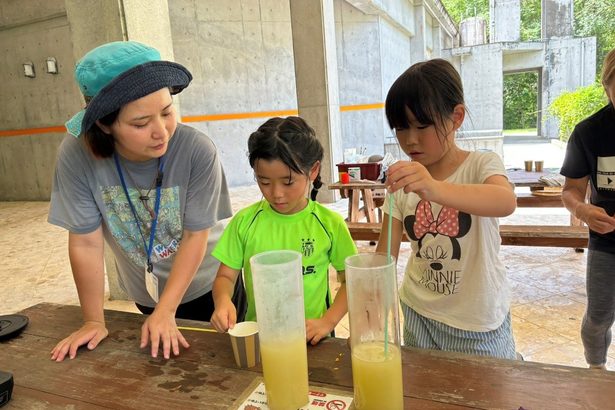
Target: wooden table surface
{"type": "Point", "coordinates": [119, 375]}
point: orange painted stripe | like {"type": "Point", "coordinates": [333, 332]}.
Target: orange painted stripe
{"type": "Point", "coordinates": [30, 131]}
{"type": "Point", "coordinates": [361, 107]}
{"type": "Point", "coordinates": [201, 118]}
{"type": "Point", "coordinates": [238, 116]}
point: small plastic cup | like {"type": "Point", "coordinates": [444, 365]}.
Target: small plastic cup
{"type": "Point", "coordinates": [528, 166]}
{"type": "Point", "coordinates": [538, 166]}
{"type": "Point", "coordinates": [344, 177]}
{"type": "Point", "coordinates": [244, 339]}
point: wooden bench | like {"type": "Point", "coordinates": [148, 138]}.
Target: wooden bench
{"type": "Point", "coordinates": [521, 235]}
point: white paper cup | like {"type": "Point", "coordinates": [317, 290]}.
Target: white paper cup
{"type": "Point", "coordinates": [244, 339]}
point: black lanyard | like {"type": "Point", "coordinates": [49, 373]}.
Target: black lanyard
{"type": "Point", "coordinates": [152, 234]}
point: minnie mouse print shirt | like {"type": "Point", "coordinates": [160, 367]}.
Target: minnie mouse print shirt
{"type": "Point", "coordinates": [454, 274]}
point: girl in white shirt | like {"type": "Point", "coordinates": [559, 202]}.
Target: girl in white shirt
{"type": "Point", "coordinates": [455, 295]}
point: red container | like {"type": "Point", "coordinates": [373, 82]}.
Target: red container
{"type": "Point", "coordinates": [369, 170]}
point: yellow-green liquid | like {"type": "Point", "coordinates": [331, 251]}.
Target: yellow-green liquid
{"type": "Point", "coordinates": [377, 380]}
{"type": "Point", "coordinates": [286, 373]}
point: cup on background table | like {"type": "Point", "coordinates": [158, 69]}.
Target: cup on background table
{"type": "Point", "coordinates": [244, 339]}
{"type": "Point", "coordinates": [344, 177]}
{"type": "Point", "coordinates": [528, 166]}
{"type": "Point", "coordinates": [538, 166]}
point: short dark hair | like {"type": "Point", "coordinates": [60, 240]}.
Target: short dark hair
{"type": "Point", "coordinates": [290, 140]}
{"type": "Point", "coordinates": [430, 89]}
{"type": "Point", "coordinates": [100, 143]}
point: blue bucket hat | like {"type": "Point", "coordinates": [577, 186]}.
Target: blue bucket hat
{"type": "Point", "coordinates": [117, 73]}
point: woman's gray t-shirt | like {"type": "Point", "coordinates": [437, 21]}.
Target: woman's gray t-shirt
{"type": "Point", "coordinates": [87, 192]}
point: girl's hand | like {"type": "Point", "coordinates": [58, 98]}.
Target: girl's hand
{"type": "Point", "coordinates": [224, 316]}
{"type": "Point", "coordinates": [318, 329]}
{"type": "Point", "coordinates": [161, 326]}
{"type": "Point", "coordinates": [411, 176]}
{"type": "Point", "coordinates": [596, 218]}
{"type": "Point", "coordinates": [91, 332]}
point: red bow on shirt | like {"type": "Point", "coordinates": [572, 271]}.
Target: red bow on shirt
{"type": "Point", "coordinates": [446, 224]}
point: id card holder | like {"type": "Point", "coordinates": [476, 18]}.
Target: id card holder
{"type": "Point", "coordinates": [151, 284]}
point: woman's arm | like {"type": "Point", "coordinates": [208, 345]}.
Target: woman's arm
{"type": "Point", "coordinates": [160, 325]}
{"type": "Point", "coordinates": [86, 254]}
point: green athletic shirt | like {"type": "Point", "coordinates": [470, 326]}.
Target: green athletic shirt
{"type": "Point", "coordinates": [319, 234]}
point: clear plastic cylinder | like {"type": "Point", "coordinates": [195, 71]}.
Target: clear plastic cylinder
{"type": "Point", "coordinates": [373, 309]}
{"type": "Point", "coordinates": [278, 293]}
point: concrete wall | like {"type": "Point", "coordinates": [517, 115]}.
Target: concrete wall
{"type": "Point", "coordinates": [557, 18]}
{"type": "Point", "coordinates": [481, 74]}
{"type": "Point", "coordinates": [241, 56]}
{"type": "Point", "coordinates": [31, 32]}
{"type": "Point", "coordinates": [569, 63]}
{"type": "Point", "coordinates": [239, 51]}
{"type": "Point", "coordinates": [505, 20]}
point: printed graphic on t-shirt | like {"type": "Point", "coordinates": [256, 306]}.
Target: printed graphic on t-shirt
{"type": "Point", "coordinates": [307, 247]}
{"type": "Point", "coordinates": [605, 174]}
{"type": "Point", "coordinates": [124, 229]}
{"type": "Point", "coordinates": [438, 248]}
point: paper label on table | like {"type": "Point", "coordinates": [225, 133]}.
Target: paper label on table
{"type": "Point", "coordinates": [318, 399]}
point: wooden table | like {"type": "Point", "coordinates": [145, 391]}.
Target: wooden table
{"type": "Point", "coordinates": [357, 191]}
{"type": "Point", "coordinates": [119, 375]}
{"type": "Point", "coordinates": [366, 191]}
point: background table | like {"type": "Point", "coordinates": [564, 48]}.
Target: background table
{"type": "Point", "coordinates": [119, 375]}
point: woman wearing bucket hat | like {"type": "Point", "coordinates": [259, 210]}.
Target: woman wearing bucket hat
{"type": "Point", "coordinates": [152, 189]}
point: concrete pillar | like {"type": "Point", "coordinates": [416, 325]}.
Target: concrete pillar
{"type": "Point", "coordinates": [313, 29]}
{"type": "Point", "coordinates": [95, 22]}
{"type": "Point", "coordinates": [418, 41]}
{"type": "Point", "coordinates": [557, 18]}
{"type": "Point", "coordinates": [505, 20]}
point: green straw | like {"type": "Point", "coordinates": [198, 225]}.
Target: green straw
{"type": "Point", "coordinates": [389, 260]}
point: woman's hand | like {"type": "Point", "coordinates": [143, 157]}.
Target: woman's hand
{"type": "Point", "coordinates": [159, 327]}
{"type": "Point", "coordinates": [411, 176]}
{"type": "Point", "coordinates": [318, 329]}
{"type": "Point", "coordinates": [92, 333]}
{"type": "Point", "coordinates": [225, 316]}
{"type": "Point", "coordinates": [596, 218]}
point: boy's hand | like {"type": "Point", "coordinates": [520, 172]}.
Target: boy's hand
{"type": "Point", "coordinates": [318, 329]}
{"type": "Point", "coordinates": [224, 316]}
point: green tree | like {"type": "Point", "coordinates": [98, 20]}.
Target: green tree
{"type": "Point", "coordinates": [572, 107]}
{"type": "Point", "coordinates": [520, 100]}
{"type": "Point", "coordinates": [530, 20]}
{"type": "Point", "coordinates": [461, 9]}
{"type": "Point", "coordinates": [596, 18]}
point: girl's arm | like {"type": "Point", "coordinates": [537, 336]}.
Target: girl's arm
{"type": "Point", "coordinates": [225, 313]}
{"type": "Point", "coordinates": [318, 329]}
{"type": "Point", "coordinates": [86, 254]}
{"type": "Point", "coordinates": [573, 197]}
{"type": "Point", "coordinates": [493, 198]}
{"type": "Point", "coordinates": [160, 325]}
